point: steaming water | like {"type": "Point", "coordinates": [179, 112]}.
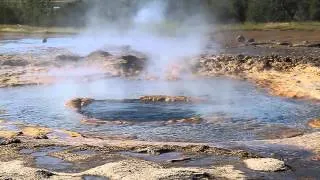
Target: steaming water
{"type": "Point", "coordinates": [237, 110]}
{"type": "Point", "coordinates": [242, 111]}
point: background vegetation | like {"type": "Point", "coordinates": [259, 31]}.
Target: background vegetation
{"type": "Point", "coordinates": [74, 13]}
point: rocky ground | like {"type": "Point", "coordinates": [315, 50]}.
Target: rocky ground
{"type": "Point", "coordinates": [30, 152]}
{"type": "Point", "coordinates": [286, 67]}
{"type": "Point", "coordinates": [36, 69]}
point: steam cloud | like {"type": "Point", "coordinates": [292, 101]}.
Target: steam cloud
{"type": "Point", "coordinates": [150, 31]}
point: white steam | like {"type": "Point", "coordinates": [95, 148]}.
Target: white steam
{"type": "Point", "coordinates": [148, 31]}
{"type": "Point", "coordinates": [152, 12]}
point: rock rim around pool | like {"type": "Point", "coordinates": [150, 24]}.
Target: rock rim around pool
{"type": "Point", "coordinates": [315, 123]}
{"type": "Point", "coordinates": [265, 164]}
{"type": "Point", "coordinates": [78, 103]}
{"type": "Point", "coordinates": [170, 99]}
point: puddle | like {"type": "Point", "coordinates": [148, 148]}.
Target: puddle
{"type": "Point", "coordinates": [162, 158]}
{"type": "Point", "coordinates": [185, 160]}
{"type": "Point", "coordinates": [91, 177]}
{"type": "Point", "coordinates": [43, 160]}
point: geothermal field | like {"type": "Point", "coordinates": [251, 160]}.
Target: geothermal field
{"type": "Point", "coordinates": [149, 101]}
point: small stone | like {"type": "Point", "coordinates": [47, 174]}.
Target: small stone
{"type": "Point", "coordinates": [265, 164]}
{"type": "Point", "coordinates": [241, 39]}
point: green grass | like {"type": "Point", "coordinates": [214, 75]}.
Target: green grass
{"type": "Point", "coordinates": [37, 30]}
{"type": "Point", "coordinates": [305, 26]}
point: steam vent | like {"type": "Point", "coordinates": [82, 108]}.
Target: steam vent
{"type": "Point", "coordinates": [157, 90]}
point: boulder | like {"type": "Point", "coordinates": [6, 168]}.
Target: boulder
{"type": "Point", "coordinates": [130, 65]}
{"type": "Point", "coordinates": [265, 164]}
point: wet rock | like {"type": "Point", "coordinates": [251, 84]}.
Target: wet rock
{"type": "Point", "coordinates": [314, 45]}
{"type": "Point", "coordinates": [97, 122]}
{"type": "Point", "coordinates": [314, 123]}
{"type": "Point", "coordinates": [43, 174]}
{"type": "Point", "coordinates": [168, 99]}
{"type": "Point", "coordinates": [199, 176]}
{"type": "Point", "coordinates": [78, 103]}
{"type": "Point", "coordinates": [192, 120]}
{"type": "Point", "coordinates": [36, 132]}
{"type": "Point", "coordinates": [14, 62]}
{"type": "Point", "coordinates": [241, 39]}
{"type": "Point", "coordinates": [98, 54]}
{"type": "Point", "coordinates": [275, 132]}
{"type": "Point", "coordinates": [179, 160]}
{"type": "Point", "coordinates": [42, 136]}
{"type": "Point", "coordinates": [154, 150]}
{"type": "Point", "coordinates": [283, 43]}
{"type": "Point", "coordinates": [72, 133]}
{"type": "Point", "coordinates": [9, 141]}
{"type": "Point", "coordinates": [93, 177]}
{"type": "Point", "coordinates": [197, 148]}
{"type": "Point", "coordinates": [265, 164]}
{"type": "Point", "coordinates": [44, 40]}
{"type": "Point", "coordinates": [92, 121]}
{"type": "Point", "coordinates": [251, 40]}
{"type": "Point", "coordinates": [66, 58]}
{"type": "Point", "coordinates": [9, 134]}
{"type": "Point", "coordinates": [131, 65]}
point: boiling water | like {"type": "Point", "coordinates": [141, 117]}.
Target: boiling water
{"type": "Point", "coordinates": [236, 110]}
{"type": "Point", "coordinates": [240, 111]}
